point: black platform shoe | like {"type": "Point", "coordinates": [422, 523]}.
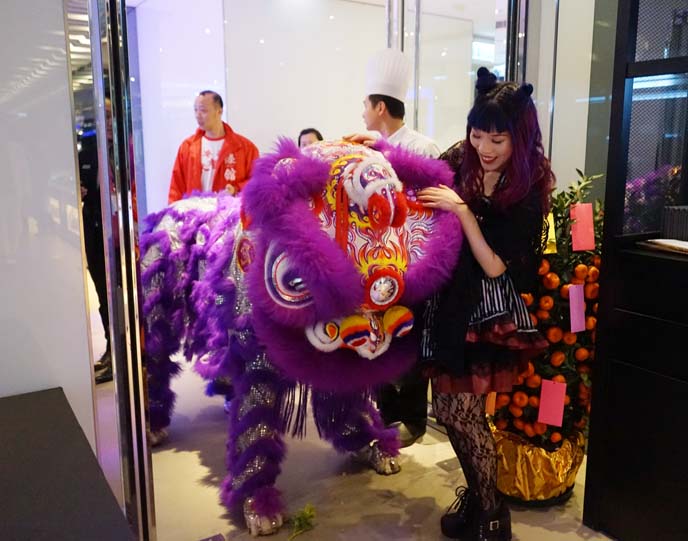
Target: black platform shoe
{"type": "Point", "coordinates": [494, 526]}
{"type": "Point", "coordinates": [457, 520]}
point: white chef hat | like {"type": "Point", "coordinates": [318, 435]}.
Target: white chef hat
{"type": "Point", "coordinates": [388, 73]}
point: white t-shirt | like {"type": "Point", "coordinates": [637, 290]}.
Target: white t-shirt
{"type": "Point", "coordinates": [210, 150]}
{"type": "Point", "coordinates": [411, 139]}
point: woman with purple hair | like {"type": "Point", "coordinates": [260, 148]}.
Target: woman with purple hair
{"type": "Point", "coordinates": [478, 332]}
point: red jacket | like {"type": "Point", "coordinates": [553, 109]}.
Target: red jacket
{"type": "Point", "coordinates": [235, 161]}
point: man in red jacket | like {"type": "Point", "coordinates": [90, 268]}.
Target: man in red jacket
{"type": "Point", "coordinates": [214, 158]}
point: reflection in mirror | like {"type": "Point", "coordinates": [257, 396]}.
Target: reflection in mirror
{"type": "Point", "coordinates": [118, 200]}
{"type": "Point", "coordinates": [91, 180]}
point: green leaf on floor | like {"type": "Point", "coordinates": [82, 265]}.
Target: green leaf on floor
{"type": "Point", "coordinates": [302, 521]}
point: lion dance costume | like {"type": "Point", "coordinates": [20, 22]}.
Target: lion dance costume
{"type": "Point", "coordinates": [303, 286]}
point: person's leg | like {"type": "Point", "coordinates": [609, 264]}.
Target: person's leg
{"type": "Point", "coordinates": [388, 403]}
{"type": "Point", "coordinates": [403, 404]}
{"type": "Point", "coordinates": [255, 447]}
{"type": "Point", "coordinates": [463, 414]}
{"type": "Point", "coordinates": [351, 422]}
{"type": "Point", "coordinates": [413, 398]}
{"type": "Point", "coordinates": [95, 259]}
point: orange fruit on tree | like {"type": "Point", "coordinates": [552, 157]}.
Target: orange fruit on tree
{"type": "Point", "coordinates": [555, 437]}
{"type": "Point", "coordinates": [544, 267]}
{"type": "Point", "coordinates": [528, 429]}
{"type": "Point", "coordinates": [581, 354]}
{"type": "Point", "coordinates": [554, 334]}
{"type": "Point", "coordinates": [570, 338]}
{"type": "Point", "coordinates": [557, 358]}
{"type": "Point", "coordinates": [530, 370]}
{"type": "Point", "coordinates": [592, 290]}
{"type": "Point", "coordinates": [564, 291]}
{"type": "Point", "coordinates": [533, 319]}
{"type": "Point", "coordinates": [503, 399]}
{"type": "Point", "coordinates": [534, 401]}
{"type": "Point", "coordinates": [559, 378]}
{"type": "Point", "coordinates": [533, 381]}
{"type": "Point", "coordinates": [540, 428]}
{"type": "Point", "coordinates": [597, 261]}
{"type": "Point", "coordinates": [501, 424]}
{"type": "Point", "coordinates": [542, 315]}
{"type": "Point", "coordinates": [590, 322]}
{"type": "Point", "coordinates": [520, 399]}
{"type": "Point", "coordinates": [567, 400]}
{"type": "Point", "coordinates": [546, 302]}
{"type": "Point", "coordinates": [515, 410]}
{"type": "Point", "coordinates": [594, 308]}
{"type": "Point", "coordinates": [551, 280]}
{"type": "Point", "coordinates": [593, 274]}
{"type": "Point", "coordinates": [583, 369]}
{"type": "Point", "coordinates": [518, 423]}
{"type": "Point", "coordinates": [519, 380]}
{"type": "Point", "coordinates": [581, 271]}
{"type": "Point", "coordinates": [527, 298]}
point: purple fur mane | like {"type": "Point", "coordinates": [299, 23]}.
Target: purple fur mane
{"type": "Point", "coordinates": [276, 201]}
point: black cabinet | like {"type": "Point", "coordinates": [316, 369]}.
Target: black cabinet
{"type": "Point", "coordinates": [637, 480]}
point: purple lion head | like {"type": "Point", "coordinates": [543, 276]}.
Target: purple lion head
{"type": "Point", "coordinates": [334, 251]}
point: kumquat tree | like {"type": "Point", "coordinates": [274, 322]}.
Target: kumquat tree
{"type": "Point", "coordinates": [570, 355]}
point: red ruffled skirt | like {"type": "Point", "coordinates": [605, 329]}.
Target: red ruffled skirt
{"type": "Point", "coordinates": [500, 341]}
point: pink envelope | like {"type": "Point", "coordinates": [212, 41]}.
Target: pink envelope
{"type": "Point", "coordinates": [582, 227]}
{"type": "Point", "coordinates": [577, 308]}
{"type": "Point", "coordinates": [552, 398]}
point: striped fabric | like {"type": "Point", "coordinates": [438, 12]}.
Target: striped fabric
{"type": "Point", "coordinates": [427, 344]}
{"type": "Point", "coordinates": [499, 296]}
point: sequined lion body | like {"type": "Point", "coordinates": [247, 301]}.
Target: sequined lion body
{"type": "Point", "coordinates": [304, 285]}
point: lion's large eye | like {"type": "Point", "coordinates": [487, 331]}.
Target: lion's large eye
{"type": "Point", "coordinates": [283, 282]}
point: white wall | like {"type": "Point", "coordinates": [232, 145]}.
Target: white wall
{"type": "Point", "coordinates": [181, 52]}
{"type": "Point", "coordinates": [293, 64]}
{"type": "Point", "coordinates": [563, 115]}
{"type": "Point", "coordinates": [43, 329]}
{"type": "Point", "coordinates": [540, 61]}
{"type": "Point", "coordinates": [572, 89]}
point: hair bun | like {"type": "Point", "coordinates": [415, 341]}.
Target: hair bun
{"type": "Point", "coordinates": [485, 81]}
{"type": "Point", "coordinates": [527, 89]}
{"type": "Point", "coordinates": [523, 94]}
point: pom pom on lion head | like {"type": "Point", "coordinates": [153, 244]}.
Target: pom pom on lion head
{"type": "Point", "coordinates": [341, 253]}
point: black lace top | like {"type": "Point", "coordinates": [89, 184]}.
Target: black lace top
{"type": "Point", "coordinates": [516, 236]}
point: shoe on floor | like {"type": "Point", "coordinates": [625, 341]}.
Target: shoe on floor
{"type": "Point", "coordinates": [408, 433]}
{"type": "Point", "coordinates": [104, 361]}
{"type": "Point", "coordinates": [460, 515]}
{"type": "Point", "coordinates": [104, 375]}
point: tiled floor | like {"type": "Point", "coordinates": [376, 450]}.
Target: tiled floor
{"type": "Point", "coordinates": [351, 503]}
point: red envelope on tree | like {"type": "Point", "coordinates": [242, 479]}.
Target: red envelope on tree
{"type": "Point", "coordinates": [552, 397]}
{"type": "Point", "coordinates": [582, 227]}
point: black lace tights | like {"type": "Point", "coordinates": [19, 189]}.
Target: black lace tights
{"type": "Point", "coordinates": [463, 414]}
